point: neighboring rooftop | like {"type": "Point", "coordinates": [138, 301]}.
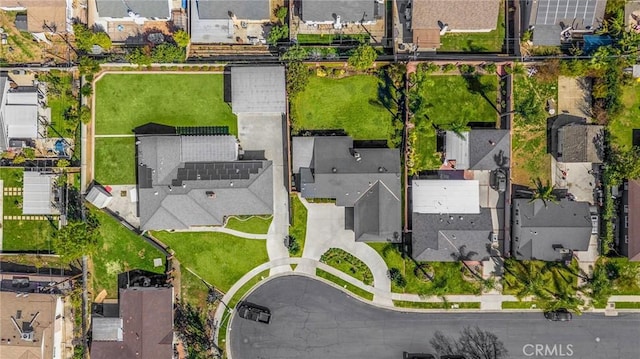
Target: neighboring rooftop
{"type": "Point", "coordinates": [445, 196]}
{"type": "Point", "coordinates": [459, 15]}
{"type": "Point", "coordinates": [551, 231]}
{"type": "Point", "coordinates": [28, 326]}
{"type": "Point", "coordinates": [349, 11]}
{"type": "Point", "coordinates": [149, 9]}
{"type": "Point", "coordinates": [224, 9]}
{"type": "Point", "coordinates": [550, 17]}
{"type": "Point", "coordinates": [479, 149]}
{"type": "Point", "coordinates": [366, 181]}
{"type": "Point", "coordinates": [98, 196]}
{"type": "Point", "coordinates": [258, 89]}
{"type": "Point", "coordinates": [573, 140]}
{"type": "Point", "coordinates": [38, 194]}
{"type": "Point", "coordinates": [143, 330]}
{"type": "Point", "coordinates": [190, 181]}
{"type": "Point", "coordinates": [53, 13]}
{"type": "Point", "coordinates": [18, 112]}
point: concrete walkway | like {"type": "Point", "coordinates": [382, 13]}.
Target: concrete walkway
{"type": "Point", "coordinates": [325, 230]}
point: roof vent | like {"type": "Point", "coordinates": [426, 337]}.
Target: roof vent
{"type": "Point", "coordinates": [381, 169]}
{"type": "Point", "coordinates": [211, 194]}
{"type": "Point", "coordinates": [334, 170]}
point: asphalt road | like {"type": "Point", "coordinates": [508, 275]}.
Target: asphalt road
{"type": "Point", "coordinates": [312, 320]}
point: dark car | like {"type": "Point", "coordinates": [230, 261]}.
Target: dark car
{"type": "Point", "coordinates": [558, 315]}
{"type": "Point", "coordinates": [499, 180]}
{"type": "Point", "coordinates": [254, 312]}
{"type": "Point", "coordinates": [406, 355]}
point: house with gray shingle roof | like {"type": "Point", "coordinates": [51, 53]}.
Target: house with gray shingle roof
{"type": "Point", "coordinates": [574, 140]}
{"type": "Point", "coordinates": [223, 21]}
{"type": "Point", "coordinates": [365, 181]}
{"type": "Point", "coordinates": [478, 149]}
{"type": "Point", "coordinates": [549, 231]}
{"type": "Point", "coordinates": [192, 179]}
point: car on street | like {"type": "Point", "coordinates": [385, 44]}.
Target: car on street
{"type": "Point", "coordinates": [558, 315]}
{"type": "Point", "coordinates": [254, 312]}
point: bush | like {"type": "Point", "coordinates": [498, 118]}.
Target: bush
{"type": "Point", "coordinates": [297, 77]}
{"type": "Point", "coordinates": [277, 33]}
{"type": "Point", "coordinates": [29, 153]}
{"type": "Point", "coordinates": [428, 67]}
{"type": "Point", "coordinates": [321, 72]}
{"type": "Point", "coordinates": [295, 53]}
{"type": "Point", "coordinates": [467, 69]}
{"type": "Point", "coordinates": [490, 68]}
{"type": "Point", "coordinates": [181, 38]}
{"type": "Point", "coordinates": [362, 57]}
{"type": "Point", "coordinates": [448, 67]}
{"type": "Point", "coordinates": [396, 277]}
{"type": "Point", "coordinates": [292, 245]}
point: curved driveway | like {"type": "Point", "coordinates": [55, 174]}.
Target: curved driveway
{"type": "Point", "coordinates": [313, 320]}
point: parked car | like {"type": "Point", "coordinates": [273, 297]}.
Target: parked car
{"type": "Point", "coordinates": [498, 180]}
{"type": "Point", "coordinates": [558, 315]}
{"type": "Point", "coordinates": [254, 312]}
{"type": "Point", "coordinates": [418, 356]}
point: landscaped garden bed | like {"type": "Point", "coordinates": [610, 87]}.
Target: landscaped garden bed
{"type": "Point", "coordinates": [349, 264]}
{"type": "Point", "coordinates": [432, 305]}
{"type": "Point", "coordinates": [298, 228]}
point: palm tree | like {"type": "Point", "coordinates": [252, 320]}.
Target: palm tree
{"type": "Point", "coordinates": [543, 192]}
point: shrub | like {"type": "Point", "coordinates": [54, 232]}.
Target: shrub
{"type": "Point", "coordinates": [396, 277]}
{"type": "Point", "coordinates": [292, 245]}
{"type": "Point", "coordinates": [467, 69]}
{"type": "Point", "coordinates": [321, 72]}
{"type": "Point", "coordinates": [362, 57]}
{"type": "Point", "coordinates": [448, 67]}
{"type": "Point", "coordinates": [490, 68]}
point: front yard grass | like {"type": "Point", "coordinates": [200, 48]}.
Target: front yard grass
{"type": "Point", "coordinates": [441, 305]}
{"type": "Point", "coordinates": [126, 101]}
{"type": "Point", "coordinates": [349, 104]}
{"type": "Point", "coordinates": [450, 99]}
{"type": "Point", "coordinates": [529, 134]}
{"type": "Point", "coordinates": [250, 224]}
{"type": "Point", "coordinates": [119, 250]}
{"type": "Point", "coordinates": [518, 305]}
{"type": "Point", "coordinates": [219, 258]}
{"type": "Point", "coordinates": [553, 278]}
{"type": "Point", "coordinates": [621, 127]}
{"type": "Point", "coordinates": [448, 276]}
{"type": "Point", "coordinates": [348, 263]}
{"type": "Point", "coordinates": [19, 235]}
{"type": "Point", "coordinates": [115, 160]}
{"type": "Point", "coordinates": [491, 41]}
{"type": "Point", "coordinates": [298, 228]}
{"type": "Point", "coordinates": [344, 284]}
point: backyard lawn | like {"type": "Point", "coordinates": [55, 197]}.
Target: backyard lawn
{"type": "Point", "coordinates": [250, 224]}
{"type": "Point", "coordinates": [621, 127]}
{"type": "Point", "coordinates": [219, 258]}
{"type": "Point", "coordinates": [530, 159]}
{"type": "Point", "coordinates": [119, 250]}
{"type": "Point", "coordinates": [27, 235]}
{"type": "Point", "coordinates": [447, 276]}
{"type": "Point", "coordinates": [115, 160]}
{"type": "Point", "coordinates": [491, 41]}
{"type": "Point", "coordinates": [170, 99]}
{"type": "Point", "coordinates": [451, 99]}
{"type": "Point", "coordinates": [11, 176]}
{"type": "Point", "coordinates": [350, 104]}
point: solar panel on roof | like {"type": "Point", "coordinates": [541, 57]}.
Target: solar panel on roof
{"type": "Point", "coordinates": [550, 12]}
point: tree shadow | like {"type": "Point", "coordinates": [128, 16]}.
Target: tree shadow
{"type": "Point", "coordinates": [477, 87]}
{"type": "Point", "coordinates": [473, 47]}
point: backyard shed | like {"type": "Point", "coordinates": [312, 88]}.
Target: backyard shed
{"type": "Point", "coordinates": [99, 196]}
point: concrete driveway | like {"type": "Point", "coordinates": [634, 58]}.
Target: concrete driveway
{"type": "Point", "coordinates": [266, 132]}
{"type": "Point", "coordinates": [310, 319]}
{"type": "Point", "coordinates": [325, 229]}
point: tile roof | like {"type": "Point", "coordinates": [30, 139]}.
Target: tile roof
{"type": "Point", "coordinates": [460, 15]}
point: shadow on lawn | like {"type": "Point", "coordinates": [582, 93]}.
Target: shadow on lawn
{"type": "Point", "coordinates": [475, 86]}
{"type": "Point", "coordinates": [392, 97]}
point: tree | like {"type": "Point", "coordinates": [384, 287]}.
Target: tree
{"type": "Point", "coordinates": [473, 343]}
{"type": "Point", "coordinates": [623, 164]}
{"type": "Point", "coordinates": [297, 77]}
{"type": "Point", "coordinates": [281, 14]}
{"type": "Point", "coordinates": [29, 153]}
{"type": "Point", "coordinates": [62, 163]}
{"type": "Point", "coordinates": [85, 114]}
{"type": "Point", "coordinates": [295, 53]}
{"type": "Point", "coordinates": [86, 90]}
{"type": "Point", "coordinates": [88, 66]}
{"type": "Point", "coordinates": [362, 57]}
{"type": "Point", "coordinates": [76, 239]}
{"type": "Point", "coordinates": [181, 38]}
{"type": "Point", "coordinates": [544, 192]}
{"type": "Point", "coordinates": [167, 53]}
{"type": "Point", "coordinates": [139, 57]}
{"type": "Point", "coordinates": [396, 277]}
{"type": "Point", "coordinates": [277, 33]}
{"type": "Point", "coordinates": [191, 326]}
{"type": "Point", "coordinates": [85, 38]}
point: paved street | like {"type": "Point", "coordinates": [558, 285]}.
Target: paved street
{"type": "Point", "coordinates": [312, 320]}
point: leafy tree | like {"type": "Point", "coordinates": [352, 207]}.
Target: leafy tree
{"type": "Point", "coordinates": [448, 67]}
{"type": "Point", "coordinates": [85, 38]}
{"type": "Point", "coordinates": [281, 14]}
{"type": "Point", "coordinates": [139, 57]}
{"type": "Point", "coordinates": [88, 66]}
{"type": "Point", "coordinates": [85, 114]}
{"type": "Point", "coordinates": [86, 90]}
{"type": "Point", "coordinates": [623, 164]}
{"type": "Point", "coordinates": [295, 53]}
{"type": "Point", "coordinates": [62, 163]}
{"type": "Point", "coordinates": [76, 239]}
{"type": "Point", "coordinates": [102, 39]}
{"type": "Point", "coordinates": [297, 77]}
{"type": "Point", "coordinates": [362, 57]}
{"type": "Point", "coordinates": [277, 33]}
{"type": "Point", "coordinates": [490, 68]}
{"type": "Point", "coordinates": [167, 53]}
{"type": "Point", "coordinates": [181, 38]}
{"type": "Point", "coordinates": [544, 192]}
{"type": "Point", "coordinates": [29, 153]}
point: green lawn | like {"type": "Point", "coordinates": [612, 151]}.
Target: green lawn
{"type": "Point", "coordinates": [125, 101]}
{"type": "Point", "coordinates": [476, 42]}
{"type": "Point", "coordinates": [11, 176]}
{"type": "Point", "coordinates": [344, 284]}
{"type": "Point", "coordinates": [192, 289]}
{"type": "Point", "coordinates": [250, 224]}
{"type": "Point", "coordinates": [115, 160]}
{"type": "Point", "coordinates": [328, 39]}
{"type": "Point", "coordinates": [627, 305]}
{"type": "Point", "coordinates": [119, 250]}
{"type": "Point", "coordinates": [349, 103]}
{"type": "Point", "coordinates": [448, 278]}
{"type": "Point", "coordinates": [12, 206]}
{"type": "Point", "coordinates": [621, 127]}
{"type": "Point", "coordinates": [529, 140]}
{"type": "Point", "coordinates": [27, 235]}
{"type": "Point", "coordinates": [451, 99]}
{"type": "Point", "coordinates": [429, 305]}
{"type": "Point", "coordinates": [626, 280]}
{"type": "Point", "coordinates": [554, 277]}
{"type": "Point", "coordinates": [219, 258]}
{"type": "Point", "coordinates": [60, 104]}
{"type": "Point", "coordinates": [298, 228]}
{"type": "Point", "coordinates": [517, 305]}
{"type": "Point", "coordinates": [347, 263]}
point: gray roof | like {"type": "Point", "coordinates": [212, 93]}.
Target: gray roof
{"type": "Point", "coordinates": [242, 9]}
{"type": "Point", "coordinates": [448, 237]}
{"type": "Point", "coordinates": [549, 232]}
{"type": "Point", "coordinates": [580, 143]}
{"type": "Point", "coordinates": [550, 17]}
{"type": "Point", "coordinates": [258, 89]}
{"type": "Point", "coordinates": [479, 149]}
{"type": "Point", "coordinates": [547, 35]}
{"type": "Point", "coordinates": [37, 193]}
{"type": "Point", "coordinates": [365, 178]}
{"type": "Point", "coordinates": [348, 10]}
{"type": "Point", "coordinates": [176, 193]}
{"type": "Point", "coordinates": [144, 8]}
{"type": "Point", "coordinates": [98, 196]}
{"type": "Point", "coordinates": [106, 329]}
